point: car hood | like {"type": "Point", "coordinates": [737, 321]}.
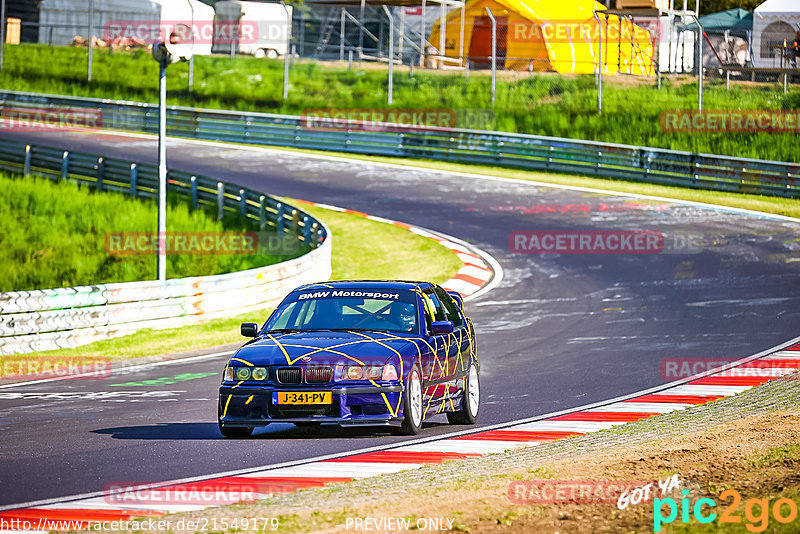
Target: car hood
{"type": "Point", "coordinates": [330, 348]}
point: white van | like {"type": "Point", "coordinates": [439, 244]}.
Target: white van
{"type": "Point", "coordinates": [260, 29]}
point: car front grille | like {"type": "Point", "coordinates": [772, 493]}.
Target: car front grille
{"type": "Point", "coordinates": [319, 374]}
{"type": "Point", "coordinates": [288, 375]}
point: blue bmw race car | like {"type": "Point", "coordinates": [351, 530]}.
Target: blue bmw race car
{"type": "Point", "coordinates": [355, 353]}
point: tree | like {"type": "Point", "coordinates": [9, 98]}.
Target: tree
{"type": "Point", "coordinates": [713, 6]}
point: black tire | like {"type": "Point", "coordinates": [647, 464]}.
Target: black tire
{"type": "Point", "coordinates": [471, 403]}
{"type": "Point", "coordinates": [235, 431]}
{"type": "Point", "coordinates": [412, 403]}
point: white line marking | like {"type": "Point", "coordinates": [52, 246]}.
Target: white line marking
{"type": "Point", "coordinates": [645, 407]}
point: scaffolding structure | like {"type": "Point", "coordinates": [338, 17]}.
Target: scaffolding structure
{"type": "Point", "coordinates": [348, 26]}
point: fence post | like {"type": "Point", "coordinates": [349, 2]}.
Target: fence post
{"type": "Point", "coordinates": [341, 36]}
{"type": "Point", "coordinates": [287, 54]}
{"type": "Point", "coordinates": [700, 34]}
{"type": "Point", "coordinates": [391, 52]}
{"type": "Point", "coordinates": [600, 62]}
{"type": "Point", "coordinates": [91, 39]}
{"type": "Point", "coordinates": [134, 179]}
{"type": "Point", "coordinates": [349, 60]}
{"type": "Point", "coordinates": [279, 223]}
{"type": "Point", "coordinates": [494, 51]}
{"type": "Point", "coordinates": [2, 31]}
{"type": "Point", "coordinates": [65, 165]}
{"type": "Point", "coordinates": [193, 181]}
{"type": "Point", "coordinates": [27, 168]}
{"type": "Point", "coordinates": [243, 202]}
{"type": "Point", "coordinates": [220, 200]}
{"type": "Point", "coordinates": [101, 165]}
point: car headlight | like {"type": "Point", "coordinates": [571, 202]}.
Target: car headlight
{"type": "Point", "coordinates": [353, 372]}
{"type": "Point", "coordinates": [242, 373]}
{"type": "Point", "coordinates": [228, 374]}
{"type": "Point", "coordinates": [373, 372]}
{"type": "Point", "coordinates": [259, 373]}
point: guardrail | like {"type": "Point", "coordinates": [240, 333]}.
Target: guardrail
{"type": "Point", "coordinates": [653, 165]}
{"type": "Point", "coordinates": [67, 317]}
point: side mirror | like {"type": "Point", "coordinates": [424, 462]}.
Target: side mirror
{"type": "Point", "coordinates": [249, 329]}
{"type": "Point", "coordinates": [442, 327]}
{"type": "Point", "coordinates": [457, 298]}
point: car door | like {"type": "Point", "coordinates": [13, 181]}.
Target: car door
{"type": "Point", "coordinates": [461, 350]}
{"type": "Point", "coordinates": [443, 348]}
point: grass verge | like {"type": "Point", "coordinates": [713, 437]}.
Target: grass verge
{"type": "Point", "coordinates": [543, 104]}
{"type": "Point", "coordinates": [361, 249]}
{"type": "Point", "coordinates": [57, 234]}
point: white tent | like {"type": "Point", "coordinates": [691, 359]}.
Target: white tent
{"type": "Point", "coordinates": [145, 20]}
{"type": "Point", "coordinates": [773, 22]}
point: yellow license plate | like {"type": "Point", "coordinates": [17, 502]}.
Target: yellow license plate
{"type": "Point", "coordinates": [305, 397]}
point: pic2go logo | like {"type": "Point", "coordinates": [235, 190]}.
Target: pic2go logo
{"type": "Point", "coordinates": [756, 511]}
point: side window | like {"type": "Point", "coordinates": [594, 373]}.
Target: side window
{"type": "Point", "coordinates": [450, 307]}
{"type": "Point", "coordinates": [438, 310]}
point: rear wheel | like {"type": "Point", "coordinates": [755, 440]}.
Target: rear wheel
{"type": "Point", "coordinates": [272, 54]}
{"type": "Point", "coordinates": [468, 413]}
{"type": "Point", "coordinates": [260, 53]}
{"type": "Point", "coordinates": [412, 403]}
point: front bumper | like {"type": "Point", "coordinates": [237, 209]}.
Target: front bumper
{"type": "Point", "coordinates": [353, 405]}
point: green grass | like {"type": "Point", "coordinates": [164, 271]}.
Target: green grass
{"type": "Point", "coordinates": [361, 249]}
{"type": "Point", "coordinates": [545, 104]}
{"type": "Point", "coordinates": [54, 235]}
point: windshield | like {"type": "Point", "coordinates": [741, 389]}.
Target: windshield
{"type": "Point", "coordinates": [388, 311]}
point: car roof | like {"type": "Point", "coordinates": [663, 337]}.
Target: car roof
{"type": "Point", "coordinates": [366, 284]}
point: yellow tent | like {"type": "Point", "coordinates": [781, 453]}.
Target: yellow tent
{"type": "Point", "coordinates": [555, 35]}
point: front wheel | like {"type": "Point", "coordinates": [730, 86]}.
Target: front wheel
{"type": "Point", "coordinates": [471, 402]}
{"type": "Point", "coordinates": [412, 404]}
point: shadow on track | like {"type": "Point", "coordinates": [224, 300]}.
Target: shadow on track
{"type": "Point", "coordinates": [210, 431]}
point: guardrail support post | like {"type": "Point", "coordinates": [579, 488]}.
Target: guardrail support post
{"type": "Point", "coordinates": [243, 202]}
{"type": "Point", "coordinates": [193, 181]}
{"type": "Point", "coordinates": [64, 165]}
{"type": "Point", "coordinates": [134, 179]}
{"type": "Point", "coordinates": [280, 223]}
{"type": "Point", "coordinates": [220, 200]}
{"type": "Point", "coordinates": [27, 169]}
{"type": "Point", "coordinates": [101, 164]}
{"type": "Point", "coordinates": [262, 212]}
{"type": "Point", "coordinates": [306, 230]}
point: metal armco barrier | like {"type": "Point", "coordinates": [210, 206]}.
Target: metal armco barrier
{"type": "Point", "coordinates": [67, 317]}
{"type": "Point", "coordinates": [653, 165]}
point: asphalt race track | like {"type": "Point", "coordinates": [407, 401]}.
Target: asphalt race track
{"type": "Point", "coordinates": [560, 331]}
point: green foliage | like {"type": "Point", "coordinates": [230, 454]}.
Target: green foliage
{"type": "Point", "coordinates": [54, 235]}
{"type": "Point", "coordinates": [713, 6]}
{"type": "Point", "coordinates": [546, 104]}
